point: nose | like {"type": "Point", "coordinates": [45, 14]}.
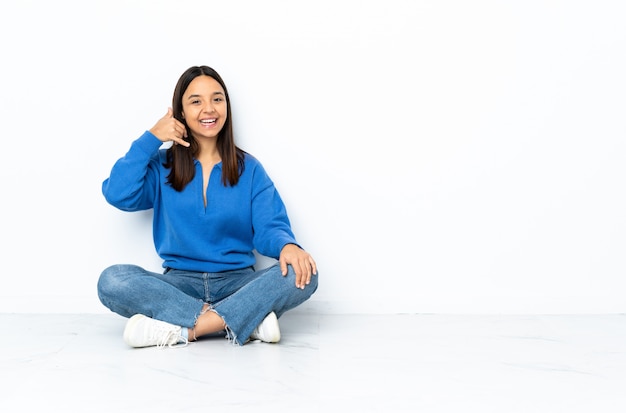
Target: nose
{"type": "Point", "coordinates": [209, 108]}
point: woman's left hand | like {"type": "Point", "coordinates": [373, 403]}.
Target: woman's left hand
{"type": "Point", "coordinates": [302, 262]}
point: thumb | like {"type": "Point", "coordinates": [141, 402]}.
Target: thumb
{"type": "Point", "coordinates": [170, 113]}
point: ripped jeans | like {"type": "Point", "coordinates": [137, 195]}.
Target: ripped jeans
{"type": "Point", "coordinates": [242, 298]}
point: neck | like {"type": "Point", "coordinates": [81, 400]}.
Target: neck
{"type": "Point", "coordinates": [208, 151]}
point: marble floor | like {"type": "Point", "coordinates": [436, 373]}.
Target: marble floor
{"type": "Point", "coordinates": [356, 363]}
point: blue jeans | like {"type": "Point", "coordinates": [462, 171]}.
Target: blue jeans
{"type": "Point", "coordinates": [242, 298]}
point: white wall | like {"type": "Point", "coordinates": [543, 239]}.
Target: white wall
{"type": "Point", "coordinates": [435, 156]}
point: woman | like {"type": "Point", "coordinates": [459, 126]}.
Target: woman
{"type": "Point", "coordinates": [213, 206]}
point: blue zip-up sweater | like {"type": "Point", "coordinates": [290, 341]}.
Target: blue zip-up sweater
{"type": "Point", "coordinates": [189, 236]}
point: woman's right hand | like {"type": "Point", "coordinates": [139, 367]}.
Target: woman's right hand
{"type": "Point", "coordinates": [169, 129]}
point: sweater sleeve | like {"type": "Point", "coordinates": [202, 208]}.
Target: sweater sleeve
{"type": "Point", "coordinates": [272, 229]}
{"type": "Point", "coordinates": [131, 186]}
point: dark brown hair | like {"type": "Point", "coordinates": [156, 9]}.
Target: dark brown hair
{"type": "Point", "coordinates": [180, 158]}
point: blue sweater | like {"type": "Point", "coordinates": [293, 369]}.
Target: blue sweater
{"type": "Point", "coordinates": [189, 236]}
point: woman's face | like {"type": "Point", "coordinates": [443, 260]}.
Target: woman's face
{"type": "Point", "coordinates": [204, 107]}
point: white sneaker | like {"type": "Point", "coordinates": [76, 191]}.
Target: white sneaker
{"type": "Point", "coordinates": [143, 331]}
{"type": "Point", "coordinates": [268, 330]}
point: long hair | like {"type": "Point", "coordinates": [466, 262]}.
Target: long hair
{"type": "Point", "coordinates": [180, 158]}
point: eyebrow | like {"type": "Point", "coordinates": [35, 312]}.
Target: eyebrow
{"type": "Point", "coordinates": [213, 94]}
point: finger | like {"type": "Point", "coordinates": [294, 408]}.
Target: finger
{"type": "Point", "coordinates": [182, 142]}
{"type": "Point", "coordinates": [179, 129]}
{"type": "Point", "coordinates": [309, 273]}
{"type": "Point", "coordinates": [304, 280]}
{"type": "Point", "coordinates": [179, 133]}
{"type": "Point", "coordinates": [182, 127]}
{"type": "Point", "coordinates": [283, 266]}
{"type": "Point", "coordinates": [296, 270]}
{"type": "Point", "coordinates": [302, 275]}
{"type": "Point", "coordinates": [313, 266]}
{"type": "Point", "coordinates": [310, 270]}
{"type": "Point", "coordinates": [306, 272]}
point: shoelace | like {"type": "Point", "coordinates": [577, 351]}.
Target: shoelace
{"type": "Point", "coordinates": [166, 340]}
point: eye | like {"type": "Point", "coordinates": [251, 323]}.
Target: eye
{"type": "Point", "coordinates": [220, 99]}
{"type": "Point", "coordinates": [195, 101]}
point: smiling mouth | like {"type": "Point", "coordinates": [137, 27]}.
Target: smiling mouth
{"type": "Point", "coordinates": [208, 121]}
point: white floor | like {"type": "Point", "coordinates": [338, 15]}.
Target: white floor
{"type": "Point", "coordinates": [355, 363]}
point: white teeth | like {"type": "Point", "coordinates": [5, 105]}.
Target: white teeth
{"type": "Point", "coordinates": [208, 121]}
